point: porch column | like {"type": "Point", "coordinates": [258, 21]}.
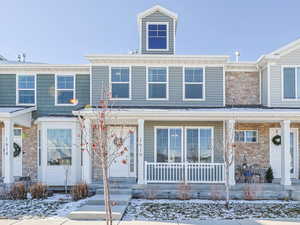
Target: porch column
{"type": "Point", "coordinates": [230, 141]}
{"type": "Point", "coordinates": [285, 153]}
{"type": "Point", "coordinates": [140, 151]}
{"type": "Point", "coordinates": [8, 151]}
{"type": "Point", "coordinates": [86, 155]}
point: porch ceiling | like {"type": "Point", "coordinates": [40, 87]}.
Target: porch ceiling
{"type": "Point", "coordinates": [19, 115]}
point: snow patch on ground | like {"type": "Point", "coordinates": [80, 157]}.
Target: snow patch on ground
{"type": "Point", "coordinates": [179, 210]}
{"type": "Point", "coordinates": [59, 205]}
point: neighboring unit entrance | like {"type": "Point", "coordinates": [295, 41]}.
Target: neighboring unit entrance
{"type": "Point", "coordinates": [275, 153]}
{"type": "Point", "coordinates": [124, 166]}
{"type": "Point", "coordinates": [17, 152]}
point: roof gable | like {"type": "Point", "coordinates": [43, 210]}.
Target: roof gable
{"type": "Point", "coordinates": [286, 49]}
{"type": "Point", "coordinates": [157, 8]}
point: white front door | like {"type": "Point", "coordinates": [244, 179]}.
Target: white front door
{"type": "Point", "coordinates": [124, 165]}
{"type": "Point", "coordinates": [17, 152]}
{"type": "Point", "coordinates": [275, 153]}
{"type": "Point", "coordinates": [59, 156]}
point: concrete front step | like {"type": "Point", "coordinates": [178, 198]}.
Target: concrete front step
{"type": "Point", "coordinates": [115, 191]}
{"type": "Point", "coordinates": [96, 212]}
{"type": "Point", "coordinates": [119, 199]}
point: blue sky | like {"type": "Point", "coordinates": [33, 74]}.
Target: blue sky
{"type": "Point", "coordinates": [63, 31]}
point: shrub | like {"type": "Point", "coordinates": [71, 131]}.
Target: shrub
{"type": "Point", "coordinates": [79, 191]}
{"type": "Point", "coordinates": [150, 193]}
{"type": "Point", "coordinates": [18, 191]}
{"type": "Point", "coordinates": [38, 191]}
{"type": "Point", "coordinates": [269, 175]}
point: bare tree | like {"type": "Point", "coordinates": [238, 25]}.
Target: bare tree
{"type": "Point", "coordinates": [228, 155]}
{"type": "Point", "coordinates": [107, 144]}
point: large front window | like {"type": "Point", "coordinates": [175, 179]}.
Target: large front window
{"type": "Point", "coordinates": [169, 145]}
{"type": "Point", "coordinates": [193, 84]}
{"type": "Point", "coordinates": [26, 90]}
{"type": "Point", "coordinates": [120, 83]}
{"type": "Point", "coordinates": [199, 145]}
{"type": "Point", "coordinates": [59, 147]}
{"type": "Point", "coordinates": [157, 83]}
{"type": "Point", "coordinates": [291, 83]}
{"type": "Point", "coordinates": [157, 36]}
{"type": "Point", "coordinates": [65, 89]}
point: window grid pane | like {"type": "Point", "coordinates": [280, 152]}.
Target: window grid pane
{"type": "Point", "coordinates": [157, 36]}
{"type": "Point", "coordinates": [120, 83]}
{"type": "Point", "coordinates": [162, 145]}
{"type": "Point", "coordinates": [65, 82]}
{"type": "Point", "coordinates": [26, 97]}
{"type": "Point", "coordinates": [64, 97]}
{"type": "Point", "coordinates": [26, 82]}
{"type": "Point", "coordinates": [192, 145]}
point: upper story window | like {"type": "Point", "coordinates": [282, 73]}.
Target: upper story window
{"type": "Point", "coordinates": [291, 82]}
{"type": "Point", "coordinates": [65, 90]}
{"type": "Point", "coordinates": [26, 93]}
{"type": "Point", "coordinates": [246, 136]}
{"type": "Point", "coordinates": [157, 36]}
{"type": "Point", "coordinates": [157, 83]}
{"type": "Point", "coordinates": [193, 84]}
{"type": "Point", "coordinates": [120, 83]}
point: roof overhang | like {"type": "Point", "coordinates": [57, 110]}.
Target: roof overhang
{"type": "Point", "coordinates": [157, 59]}
{"type": "Point", "coordinates": [44, 68]}
{"type": "Point", "coordinates": [19, 115]}
{"type": "Point", "coordinates": [213, 114]}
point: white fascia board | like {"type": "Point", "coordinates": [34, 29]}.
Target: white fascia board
{"type": "Point", "coordinates": [155, 9]}
{"type": "Point", "coordinates": [251, 115]}
{"type": "Point", "coordinates": [55, 119]}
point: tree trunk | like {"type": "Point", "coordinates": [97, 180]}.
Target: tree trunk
{"type": "Point", "coordinates": [227, 186]}
{"type": "Point", "coordinates": [107, 195]}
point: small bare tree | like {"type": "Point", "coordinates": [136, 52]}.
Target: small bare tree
{"type": "Point", "coordinates": [228, 155]}
{"type": "Point", "coordinates": [106, 145]}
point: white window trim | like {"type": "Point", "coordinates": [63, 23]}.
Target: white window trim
{"type": "Point", "coordinates": [282, 83]}
{"type": "Point", "coordinates": [184, 83]}
{"type": "Point", "coordinates": [166, 82]}
{"type": "Point", "coordinates": [73, 89]}
{"type": "Point", "coordinates": [244, 131]}
{"type": "Point", "coordinates": [155, 141]}
{"type": "Point", "coordinates": [147, 34]}
{"type": "Point", "coordinates": [121, 82]}
{"type": "Point", "coordinates": [19, 89]}
{"type": "Point", "coordinates": [199, 149]}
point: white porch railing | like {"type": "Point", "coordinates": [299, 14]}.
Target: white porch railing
{"type": "Point", "coordinates": [184, 172]}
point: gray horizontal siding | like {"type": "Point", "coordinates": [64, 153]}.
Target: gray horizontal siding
{"type": "Point", "coordinates": [264, 87]}
{"type": "Point", "coordinates": [7, 89]}
{"type": "Point", "coordinates": [158, 17]}
{"type": "Point", "coordinates": [149, 137]}
{"type": "Point", "coordinates": [46, 95]}
{"type": "Point", "coordinates": [213, 87]}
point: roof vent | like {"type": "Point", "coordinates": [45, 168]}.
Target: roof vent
{"type": "Point", "coordinates": [237, 56]}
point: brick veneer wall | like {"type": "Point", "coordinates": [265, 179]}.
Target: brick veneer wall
{"type": "Point", "coordinates": [242, 88]}
{"type": "Point", "coordinates": [257, 153]}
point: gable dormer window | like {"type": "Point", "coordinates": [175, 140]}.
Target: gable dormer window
{"type": "Point", "coordinates": [157, 36]}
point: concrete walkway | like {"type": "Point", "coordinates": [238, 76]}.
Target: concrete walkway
{"type": "Point", "coordinates": [203, 222]}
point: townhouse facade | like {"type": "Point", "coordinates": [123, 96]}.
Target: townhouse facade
{"type": "Point", "coordinates": [178, 107]}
